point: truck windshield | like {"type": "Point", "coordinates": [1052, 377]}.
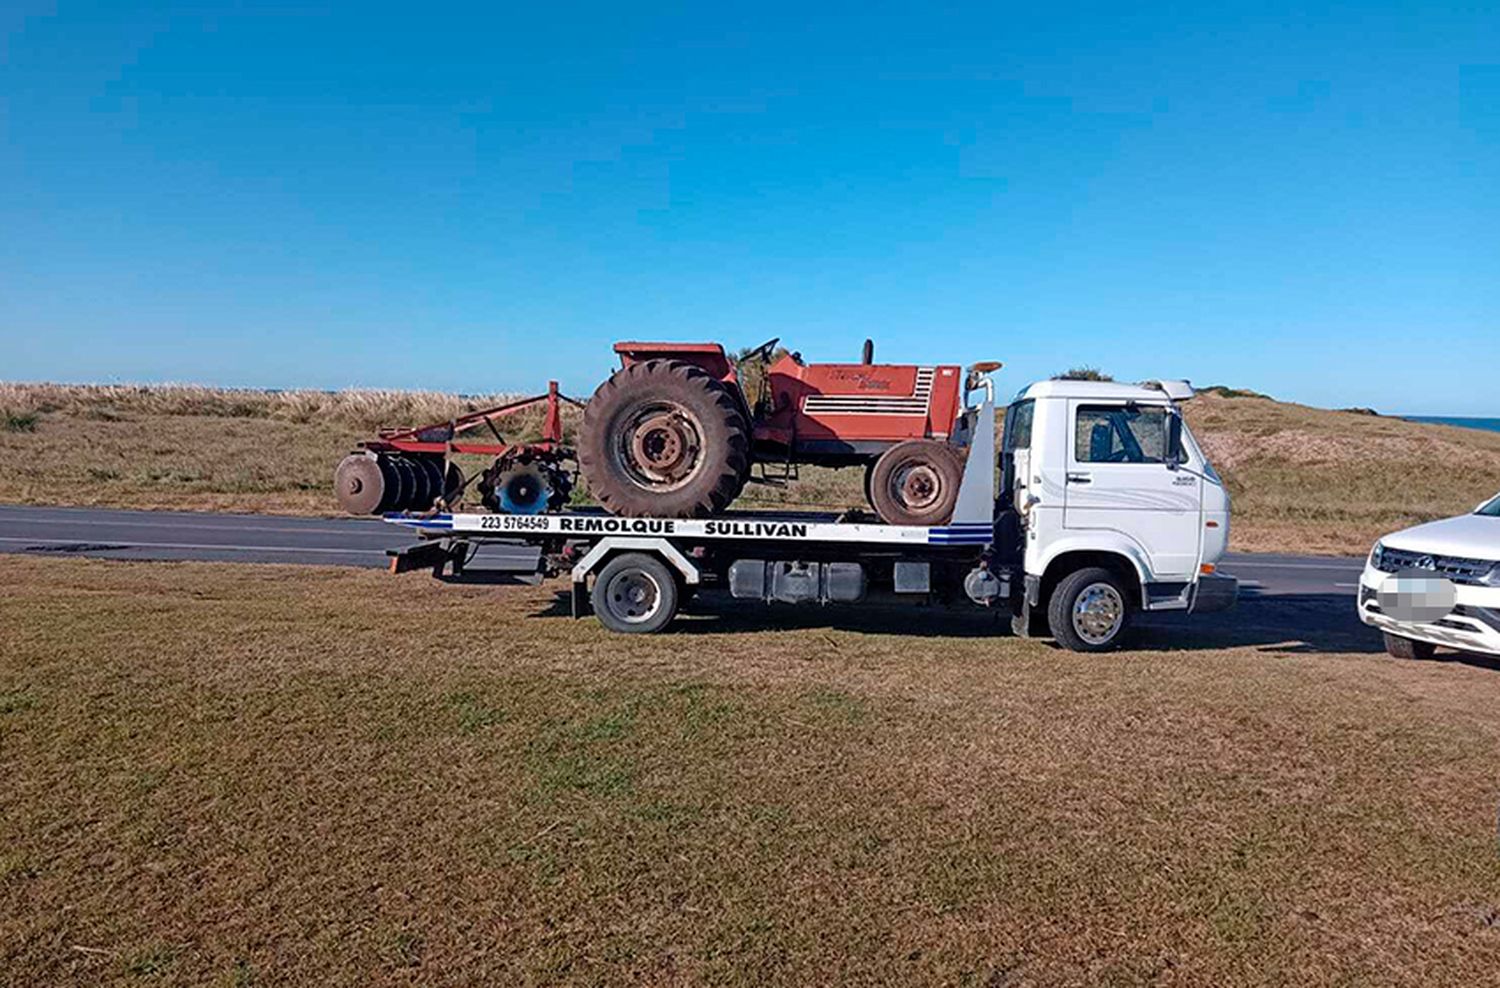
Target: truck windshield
{"type": "Point", "coordinates": [1491, 510]}
{"type": "Point", "coordinates": [1190, 442]}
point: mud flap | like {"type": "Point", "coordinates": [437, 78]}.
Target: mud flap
{"type": "Point", "coordinates": [1029, 619]}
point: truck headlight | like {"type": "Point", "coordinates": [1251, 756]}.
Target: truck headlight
{"type": "Point", "coordinates": [1377, 555]}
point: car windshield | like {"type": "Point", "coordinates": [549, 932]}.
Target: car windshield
{"type": "Point", "coordinates": [1492, 509]}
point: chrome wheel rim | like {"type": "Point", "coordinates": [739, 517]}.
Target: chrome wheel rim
{"type": "Point", "coordinates": [633, 596]}
{"type": "Point", "coordinates": [1098, 613]}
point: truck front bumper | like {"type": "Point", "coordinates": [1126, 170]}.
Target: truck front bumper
{"type": "Point", "coordinates": [1472, 626]}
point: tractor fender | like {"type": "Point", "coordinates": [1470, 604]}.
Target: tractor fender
{"type": "Point", "coordinates": [708, 356]}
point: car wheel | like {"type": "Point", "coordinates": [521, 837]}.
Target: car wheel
{"type": "Point", "coordinates": [1408, 648]}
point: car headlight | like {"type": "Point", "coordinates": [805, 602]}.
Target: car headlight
{"type": "Point", "coordinates": [1377, 554]}
{"type": "Point", "coordinates": [1492, 578]}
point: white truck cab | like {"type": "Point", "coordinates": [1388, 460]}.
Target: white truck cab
{"type": "Point", "coordinates": [1437, 584]}
{"type": "Point", "coordinates": [1108, 476]}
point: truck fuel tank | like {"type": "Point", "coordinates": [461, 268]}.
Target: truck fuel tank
{"type": "Point", "coordinates": [793, 582]}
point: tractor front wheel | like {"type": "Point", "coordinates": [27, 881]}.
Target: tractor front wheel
{"type": "Point", "coordinates": [916, 483]}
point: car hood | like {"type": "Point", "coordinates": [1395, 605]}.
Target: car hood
{"type": "Point", "coordinates": [1468, 536]}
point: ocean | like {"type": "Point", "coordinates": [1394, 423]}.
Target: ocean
{"type": "Point", "coordinates": [1489, 425]}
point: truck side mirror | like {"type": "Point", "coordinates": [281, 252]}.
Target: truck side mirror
{"type": "Point", "coordinates": [1175, 457]}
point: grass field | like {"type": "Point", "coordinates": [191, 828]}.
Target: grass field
{"type": "Point", "coordinates": [1303, 479]}
{"type": "Point", "coordinates": [260, 775]}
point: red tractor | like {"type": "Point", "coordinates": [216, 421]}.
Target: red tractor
{"type": "Point", "coordinates": [672, 433]}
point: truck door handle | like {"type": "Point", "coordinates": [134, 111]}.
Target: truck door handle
{"type": "Point", "coordinates": [1080, 478]}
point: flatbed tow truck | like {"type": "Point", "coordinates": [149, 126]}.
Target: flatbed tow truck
{"type": "Point", "coordinates": [1107, 507]}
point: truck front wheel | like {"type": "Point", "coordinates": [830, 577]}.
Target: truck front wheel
{"type": "Point", "coordinates": [1089, 610]}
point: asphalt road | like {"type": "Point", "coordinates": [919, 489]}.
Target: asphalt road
{"type": "Point", "coordinates": [175, 535]}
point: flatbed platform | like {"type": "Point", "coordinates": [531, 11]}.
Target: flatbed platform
{"type": "Point", "coordinates": [807, 527]}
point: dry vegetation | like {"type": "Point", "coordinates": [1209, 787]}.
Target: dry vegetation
{"type": "Point", "coordinates": [1303, 479]}
{"type": "Point", "coordinates": [195, 448]}
{"type": "Point", "coordinates": [1311, 480]}
{"type": "Point", "coordinates": [237, 776]}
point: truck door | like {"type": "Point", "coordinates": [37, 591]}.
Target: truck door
{"type": "Point", "coordinates": [1015, 453]}
{"type": "Point", "coordinates": [1119, 479]}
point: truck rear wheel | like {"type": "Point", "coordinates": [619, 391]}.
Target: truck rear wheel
{"type": "Point", "coordinates": [664, 439]}
{"type": "Point", "coordinates": [916, 483]}
{"type": "Point", "coordinates": [1089, 610]}
{"type": "Point", "coordinates": [1408, 648]}
{"type": "Point", "coordinates": [635, 594]}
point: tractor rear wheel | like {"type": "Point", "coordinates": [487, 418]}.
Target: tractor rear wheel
{"type": "Point", "coordinates": [664, 439]}
{"type": "Point", "coordinates": [916, 483]}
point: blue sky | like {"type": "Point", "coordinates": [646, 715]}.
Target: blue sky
{"type": "Point", "coordinates": [1301, 200]}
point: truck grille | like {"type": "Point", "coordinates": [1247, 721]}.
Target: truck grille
{"type": "Point", "coordinates": [1456, 568]}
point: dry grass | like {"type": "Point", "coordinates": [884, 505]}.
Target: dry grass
{"type": "Point", "coordinates": [364, 410]}
{"type": "Point", "coordinates": [1310, 480]}
{"type": "Point", "coordinates": [1303, 479]}
{"type": "Point", "coordinates": [195, 448]}
{"type": "Point", "coordinates": [227, 775]}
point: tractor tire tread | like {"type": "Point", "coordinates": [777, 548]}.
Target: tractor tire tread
{"type": "Point", "coordinates": [724, 477]}
{"type": "Point", "coordinates": [945, 458]}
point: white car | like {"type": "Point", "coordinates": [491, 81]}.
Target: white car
{"type": "Point", "coordinates": [1437, 584]}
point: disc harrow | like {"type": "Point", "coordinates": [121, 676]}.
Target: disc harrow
{"type": "Point", "coordinates": [412, 469]}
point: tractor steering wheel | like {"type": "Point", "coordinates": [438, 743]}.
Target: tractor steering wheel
{"type": "Point", "coordinates": [763, 352]}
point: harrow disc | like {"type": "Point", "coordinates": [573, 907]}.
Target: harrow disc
{"type": "Point", "coordinates": [422, 491]}
{"type": "Point", "coordinates": [435, 486]}
{"type": "Point", "coordinates": [523, 491]}
{"type": "Point", "coordinates": [359, 484]}
{"type": "Point", "coordinates": [397, 485]}
{"type": "Point", "coordinates": [412, 482]}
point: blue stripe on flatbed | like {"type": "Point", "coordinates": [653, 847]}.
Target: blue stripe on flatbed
{"type": "Point", "coordinates": [435, 522]}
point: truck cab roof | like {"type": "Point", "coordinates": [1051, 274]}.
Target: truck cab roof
{"type": "Point", "coordinates": [1110, 390]}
